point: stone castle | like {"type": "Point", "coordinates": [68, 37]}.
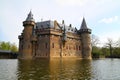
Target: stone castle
{"type": "Point", "coordinates": [50, 39]}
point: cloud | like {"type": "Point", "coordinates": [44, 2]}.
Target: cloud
{"type": "Point", "coordinates": [81, 2]}
{"type": "Point", "coordinates": [109, 20]}
{"type": "Point", "coordinates": [14, 12]}
{"type": "Point", "coordinates": [103, 37]}
{"type": "Point", "coordinates": [72, 2]}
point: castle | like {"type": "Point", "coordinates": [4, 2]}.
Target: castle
{"type": "Point", "coordinates": [50, 39]}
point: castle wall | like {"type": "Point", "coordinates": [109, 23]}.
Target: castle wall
{"type": "Point", "coordinates": [42, 46]}
{"type": "Point", "coordinates": [55, 46]}
{"type": "Point", "coordinates": [71, 48]}
{"type": "Point", "coordinates": [50, 39]}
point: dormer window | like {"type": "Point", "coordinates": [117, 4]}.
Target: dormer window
{"type": "Point", "coordinates": [68, 28]}
{"type": "Point", "coordinates": [71, 29]}
{"type": "Point", "coordinates": [41, 26]}
{"type": "Point", "coordinates": [48, 25]}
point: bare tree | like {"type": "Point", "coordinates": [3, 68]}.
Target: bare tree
{"type": "Point", "coordinates": [117, 44]}
{"type": "Point", "coordinates": [95, 40]}
{"type": "Point", "coordinates": [110, 45]}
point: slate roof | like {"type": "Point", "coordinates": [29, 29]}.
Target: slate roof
{"type": "Point", "coordinates": [45, 24]}
{"type": "Point", "coordinates": [50, 24]}
{"type": "Point", "coordinates": [30, 17]}
{"type": "Point", "coordinates": [83, 25]}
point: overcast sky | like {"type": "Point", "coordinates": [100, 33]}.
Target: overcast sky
{"type": "Point", "coordinates": [102, 16]}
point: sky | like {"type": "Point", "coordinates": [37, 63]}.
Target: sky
{"type": "Point", "coordinates": [102, 16]}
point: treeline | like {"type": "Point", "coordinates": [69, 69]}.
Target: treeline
{"type": "Point", "coordinates": [8, 46]}
{"type": "Point", "coordinates": [109, 49]}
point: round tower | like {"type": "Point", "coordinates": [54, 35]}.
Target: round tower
{"type": "Point", "coordinates": [85, 40]}
{"type": "Point", "coordinates": [28, 24]}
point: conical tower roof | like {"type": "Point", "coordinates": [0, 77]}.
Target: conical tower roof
{"type": "Point", "coordinates": [84, 28]}
{"type": "Point", "coordinates": [30, 17]}
{"type": "Point", "coordinates": [83, 25]}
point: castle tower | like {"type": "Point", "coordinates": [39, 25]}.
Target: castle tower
{"type": "Point", "coordinates": [25, 46]}
{"type": "Point", "coordinates": [85, 40]}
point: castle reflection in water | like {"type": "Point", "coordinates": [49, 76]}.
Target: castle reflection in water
{"type": "Point", "coordinates": [54, 69]}
{"type": "Point", "coordinates": [41, 69]}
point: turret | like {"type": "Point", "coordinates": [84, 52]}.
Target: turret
{"type": "Point", "coordinates": [85, 40]}
{"type": "Point", "coordinates": [26, 45]}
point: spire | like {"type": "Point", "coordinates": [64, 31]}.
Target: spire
{"type": "Point", "coordinates": [83, 25]}
{"type": "Point", "coordinates": [84, 28]}
{"type": "Point", "coordinates": [30, 17]}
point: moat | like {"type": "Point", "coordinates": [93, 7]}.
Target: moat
{"type": "Point", "coordinates": [99, 69]}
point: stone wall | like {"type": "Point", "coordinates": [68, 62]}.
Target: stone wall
{"type": "Point", "coordinates": [25, 47]}
{"type": "Point", "coordinates": [71, 48]}
{"type": "Point", "coordinates": [86, 45]}
{"type": "Point", "coordinates": [42, 46]}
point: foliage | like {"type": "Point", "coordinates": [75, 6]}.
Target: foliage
{"type": "Point", "coordinates": [110, 48]}
{"type": "Point", "coordinates": [96, 52]}
{"type": "Point", "coordinates": [105, 51]}
{"type": "Point", "coordinates": [8, 46]}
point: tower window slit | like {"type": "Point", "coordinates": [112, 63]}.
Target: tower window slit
{"type": "Point", "coordinates": [52, 45]}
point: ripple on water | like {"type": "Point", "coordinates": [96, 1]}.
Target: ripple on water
{"type": "Point", "coordinates": [101, 69]}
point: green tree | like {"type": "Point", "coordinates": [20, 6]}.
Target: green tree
{"type": "Point", "coordinates": [96, 52]}
{"type": "Point", "coordinates": [8, 46]}
{"type": "Point", "coordinates": [14, 47]}
{"type": "Point", "coordinates": [5, 45]}
{"type": "Point", "coordinates": [105, 51]}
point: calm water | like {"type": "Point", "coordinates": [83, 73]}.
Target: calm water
{"type": "Point", "coordinates": [102, 69]}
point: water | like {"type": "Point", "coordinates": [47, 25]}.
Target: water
{"type": "Point", "coordinates": [101, 69]}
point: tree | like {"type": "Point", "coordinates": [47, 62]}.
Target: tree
{"type": "Point", "coordinates": [117, 44]}
{"type": "Point", "coordinates": [14, 47]}
{"type": "Point", "coordinates": [8, 46]}
{"type": "Point", "coordinates": [94, 40]}
{"type": "Point", "coordinates": [105, 51]}
{"type": "Point", "coordinates": [5, 45]}
{"type": "Point", "coordinates": [96, 51]}
{"type": "Point", "coordinates": [110, 45]}
{"type": "Point", "coordinates": [116, 50]}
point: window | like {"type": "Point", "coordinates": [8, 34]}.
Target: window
{"type": "Point", "coordinates": [52, 45]}
{"type": "Point", "coordinates": [76, 47]}
{"type": "Point", "coordinates": [79, 48]}
{"type": "Point", "coordinates": [42, 26]}
{"type": "Point", "coordinates": [46, 45]}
